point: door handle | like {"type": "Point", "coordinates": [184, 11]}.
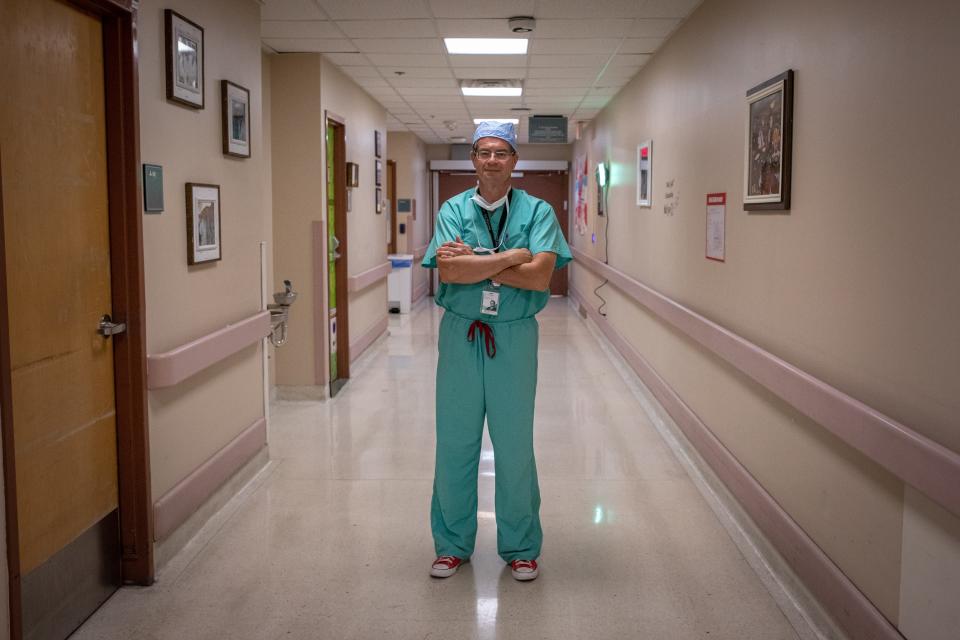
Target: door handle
{"type": "Point", "coordinates": [333, 249]}
{"type": "Point", "coordinates": [109, 328]}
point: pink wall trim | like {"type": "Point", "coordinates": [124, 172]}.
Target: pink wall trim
{"type": "Point", "coordinates": [420, 291]}
{"type": "Point", "coordinates": [914, 458]}
{"type": "Point", "coordinates": [419, 253]}
{"type": "Point", "coordinates": [171, 367]}
{"type": "Point", "coordinates": [363, 342]}
{"type": "Point", "coordinates": [179, 503]}
{"type": "Point", "coordinates": [363, 280]}
{"type": "Point", "coordinates": [320, 322]}
{"type": "Point", "coordinates": [835, 591]}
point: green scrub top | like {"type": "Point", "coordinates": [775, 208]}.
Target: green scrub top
{"type": "Point", "coordinates": [531, 223]}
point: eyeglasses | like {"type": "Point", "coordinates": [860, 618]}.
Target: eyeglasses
{"type": "Point", "coordinates": [486, 154]}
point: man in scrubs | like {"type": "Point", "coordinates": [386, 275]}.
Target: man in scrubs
{"type": "Point", "coordinates": [496, 248]}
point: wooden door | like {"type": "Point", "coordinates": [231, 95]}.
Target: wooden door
{"type": "Point", "coordinates": [337, 302]}
{"type": "Point", "coordinates": [552, 187]}
{"type": "Point", "coordinates": [58, 278]}
{"type": "Point", "coordinates": [391, 207]}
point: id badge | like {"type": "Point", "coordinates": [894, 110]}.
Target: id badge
{"type": "Point", "coordinates": [490, 305]}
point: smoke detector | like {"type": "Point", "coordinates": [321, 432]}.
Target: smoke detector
{"type": "Point", "coordinates": [522, 24]}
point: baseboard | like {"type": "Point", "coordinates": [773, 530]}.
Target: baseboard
{"type": "Point", "coordinates": [188, 495]}
{"type": "Point", "coordinates": [170, 546]}
{"type": "Point", "coordinates": [363, 342]}
{"type": "Point", "coordinates": [301, 393]}
{"type": "Point", "coordinates": [818, 580]}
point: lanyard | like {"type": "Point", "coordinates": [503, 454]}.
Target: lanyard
{"type": "Point", "coordinates": [503, 221]}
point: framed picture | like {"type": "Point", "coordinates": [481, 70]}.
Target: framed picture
{"type": "Point", "coordinates": [645, 174]}
{"type": "Point", "coordinates": [379, 198]}
{"type": "Point", "coordinates": [184, 54]}
{"type": "Point", "coordinates": [377, 143]}
{"type": "Point", "coordinates": [769, 144]}
{"type": "Point", "coordinates": [379, 174]}
{"type": "Point", "coordinates": [204, 242]}
{"type": "Point", "coordinates": [235, 119]}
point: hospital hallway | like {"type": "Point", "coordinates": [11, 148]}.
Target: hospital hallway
{"type": "Point", "coordinates": [332, 538]}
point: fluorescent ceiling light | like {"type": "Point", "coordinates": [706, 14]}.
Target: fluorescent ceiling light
{"type": "Point", "coordinates": [486, 46]}
{"type": "Point", "coordinates": [501, 120]}
{"type": "Point", "coordinates": [492, 91]}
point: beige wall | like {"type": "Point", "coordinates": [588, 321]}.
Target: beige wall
{"type": "Point", "coordinates": [526, 151]}
{"type": "Point", "coordinates": [190, 422]}
{"type": "Point", "coordinates": [856, 284]}
{"type": "Point", "coordinates": [304, 87]}
{"type": "Point", "coordinates": [413, 181]}
{"type": "Point", "coordinates": [266, 125]}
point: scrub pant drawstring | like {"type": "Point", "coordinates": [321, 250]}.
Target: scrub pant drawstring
{"type": "Point", "coordinates": [488, 340]}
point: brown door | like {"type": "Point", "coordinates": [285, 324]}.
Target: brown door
{"type": "Point", "coordinates": [337, 302]}
{"type": "Point", "coordinates": [392, 206]}
{"type": "Point", "coordinates": [550, 186]}
{"type": "Point", "coordinates": [57, 261]}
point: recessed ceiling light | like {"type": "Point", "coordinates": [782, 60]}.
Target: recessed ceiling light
{"type": "Point", "coordinates": [486, 46]}
{"type": "Point", "coordinates": [510, 120]}
{"type": "Point", "coordinates": [492, 91]}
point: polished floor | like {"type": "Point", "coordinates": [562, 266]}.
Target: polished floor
{"type": "Point", "coordinates": [332, 539]}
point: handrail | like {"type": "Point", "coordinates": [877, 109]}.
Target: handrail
{"type": "Point", "coordinates": [911, 456]}
{"type": "Point", "coordinates": [363, 280]}
{"type": "Point", "coordinates": [174, 366]}
{"type": "Point", "coordinates": [419, 253]}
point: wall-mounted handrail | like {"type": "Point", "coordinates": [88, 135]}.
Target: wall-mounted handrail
{"type": "Point", "coordinates": [174, 366]}
{"type": "Point", "coordinates": [366, 278]}
{"type": "Point", "coordinates": [911, 456]}
{"type": "Point", "coordinates": [419, 253]}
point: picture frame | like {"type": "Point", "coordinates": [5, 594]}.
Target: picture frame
{"type": "Point", "coordinates": [645, 174]}
{"type": "Point", "coordinates": [184, 60]}
{"type": "Point", "coordinates": [204, 239]}
{"type": "Point", "coordinates": [377, 143]}
{"type": "Point", "coordinates": [235, 119]}
{"type": "Point", "coordinates": [378, 174]}
{"type": "Point", "coordinates": [353, 175]}
{"type": "Point", "coordinates": [379, 200]}
{"type": "Point", "coordinates": [769, 144]}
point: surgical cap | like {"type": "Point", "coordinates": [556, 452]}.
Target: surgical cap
{"type": "Point", "coordinates": [492, 129]}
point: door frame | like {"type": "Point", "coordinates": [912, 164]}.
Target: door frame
{"type": "Point", "coordinates": [119, 20]}
{"type": "Point", "coordinates": [392, 199]}
{"type": "Point", "coordinates": [341, 272]}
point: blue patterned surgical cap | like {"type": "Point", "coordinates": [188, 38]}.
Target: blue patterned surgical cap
{"type": "Point", "coordinates": [491, 129]}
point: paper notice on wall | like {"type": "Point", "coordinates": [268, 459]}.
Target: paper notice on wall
{"type": "Point", "coordinates": [716, 226]}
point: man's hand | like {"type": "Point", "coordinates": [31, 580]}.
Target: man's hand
{"type": "Point", "coordinates": [518, 256]}
{"type": "Point", "coordinates": [453, 249]}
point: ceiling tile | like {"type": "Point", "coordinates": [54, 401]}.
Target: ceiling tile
{"type": "Point", "coordinates": [535, 92]}
{"type": "Point", "coordinates": [587, 28]}
{"type": "Point", "coordinates": [669, 8]}
{"type": "Point", "coordinates": [416, 72]}
{"type": "Point", "coordinates": [372, 9]}
{"type": "Point", "coordinates": [640, 45]}
{"type": "Point", "coordinates": [406, 81]}
{"type": "Point", "coordinates": [502, 9]}
{"type": "Point", "coordinates": [580, 9]}
{"type": "Point", "coordinates": [387, 28]}
{"type": "Point", "coordinates": [420, 100]}
{"type": "Point", "coordinates": [603, 91]}
{"type": "Point", "coordinates": [573, 45]}
{"type": "Point", "coordinates": [569, 60]}
{"type": "Point", "coordinates": [398, 45]}
{"type": "Point", "coordinates": [429, 91]}
{"type": "Point", "coordinates": [382, 92]}
{"type": "Point", "coordinates": [488, 61]}
{"type": "Point", "coordinates": [348, 59]}
{"type": "Point", "coordinates": [557, 83]}
{"type": "Point", "coordinates": [290, 10]}
{"type": "Point", "coordinates": [630, 60]}
{"type": "Point", "coordinates": [371, 83]}
{"type": "Point", "coordinates": [315, 45]}
{"type": "Point", "coordinates": [407, 60]}
{"type": "Point", "coordinates": [586, 73]}
{"type": "Point", "coordinates": [298, 29]}
{"type": "Point", "coordinates": [481, 73]}
{"type": "Point", "coordinates": [652, 28]}
{"type": "Point", "coordinates": [361, 72]}
{"type": "Point", "coordinates": [476, 28]}
{"type": "Point", "coordinates": [618, 73]}
{"type": "Point", "coordinates": [595, 101]}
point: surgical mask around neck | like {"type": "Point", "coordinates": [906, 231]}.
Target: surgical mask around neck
{"type": "Point", "coordinates": [490, 206]}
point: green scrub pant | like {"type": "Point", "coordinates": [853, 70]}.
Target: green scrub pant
{"type": "Point", "coordinates": [471, 385]}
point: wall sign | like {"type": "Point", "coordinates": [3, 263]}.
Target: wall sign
{"type": "Point", "coordinates": [152, 188]}
{"type": "Point", "coordinates": [716, 226]}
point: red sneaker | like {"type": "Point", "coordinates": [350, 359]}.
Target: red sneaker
{"type": "Point", "coordinates": [446, 566]}
{"type": "Point", "coordinates": [524, 569]}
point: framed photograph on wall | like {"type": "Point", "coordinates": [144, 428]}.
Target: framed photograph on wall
{"type": "Point", "coordinates": [184, 56]}
{"type": "Point", "coordinates": [235, 119]}
{"type": "Point", "coordinates": [353, 174]}
{"type": "Point", "coordinates": [379, 174]}
{"type": "Point", "coordinates": [377, 143]}
{"type": "Point", "coordinates": [769, 144]}
{"type": "Point", "coordinates": [204, 242]}
{"type": "Point", "coordinates": [645, 174]}
{"type": "Point", "coordinates": [379, 198]}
